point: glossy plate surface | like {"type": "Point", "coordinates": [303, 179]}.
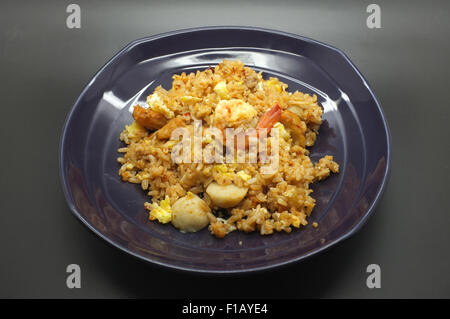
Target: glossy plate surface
{"type": "Point", "coordinates": [354, 132]}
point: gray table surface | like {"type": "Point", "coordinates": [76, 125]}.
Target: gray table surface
{"type": "Point", "coordinates": [44, 66]}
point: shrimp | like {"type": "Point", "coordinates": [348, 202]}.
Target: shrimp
{"type": "Point", "coordinates": [296, 126]}
{"type": "Point", "coordinates": [149, 119]}
{"type": "Point", "coordinates": [265, 123]}
{"type": "Point", "coordinates": [166, 131]}
{"type": "Point", "coordinates": [269, 119]}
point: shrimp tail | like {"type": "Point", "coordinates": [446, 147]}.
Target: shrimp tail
{"type": "Point", "coordinates": [269, 119]}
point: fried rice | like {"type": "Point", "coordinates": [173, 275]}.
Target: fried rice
{"type": "Point", "coordinates": [225, 196]}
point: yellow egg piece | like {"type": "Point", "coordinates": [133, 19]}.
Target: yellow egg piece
{"type": "Point", "coordinates": [295, 221]}
{"type": "Point", "coordinates": [162, 212]}
{"type": "Point", "coordinates": [221, 89]}
{"type": "Point", "coordinates": [190, 99]}
{"type": "Point", "coordinates": [135, 130]}
{"type": "Point", "coordinates": [242, 174]}
{"type": "Point", "coordinates": [156, 104]}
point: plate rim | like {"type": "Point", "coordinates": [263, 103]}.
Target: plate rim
{"type": "Point", "coordinates": [369, 212]}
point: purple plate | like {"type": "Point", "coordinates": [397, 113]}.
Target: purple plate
{"type": "Point", "coordinates": [354, 131]}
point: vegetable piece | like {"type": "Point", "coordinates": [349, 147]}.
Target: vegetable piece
{"type": "Point", "coordinates": [190, 213]}
{"type": "Point", "coordinates": [226, 196]}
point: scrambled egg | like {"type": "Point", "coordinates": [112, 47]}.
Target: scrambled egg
{"type": "Point", "coordinates": [295, 221]}
{"type": "Point", "coordinates": [162, 212]}
{"type": "Point", "coordinates": [190, 99]}
{"type": "Point", "coordinates": [224, 170]}
{"type": "Point", "coordinates": [171, 143]}
{"type": "Point", "coordinates": [156, 104]}
{"type": "Point", "coordinates": [232, 113]}
{"type": "Point", "coordinates": [242, 174]}
{"type": "Point", "coordinates": [273, 82]}
{"type": "Point", "coordinates": [221, 89]}
{"type": "Point", "coordinates": [229, 172]}
{"type": "Point", "coordinates": [135, 130]}
{"type": "Point", "coordinates": [282, 130]}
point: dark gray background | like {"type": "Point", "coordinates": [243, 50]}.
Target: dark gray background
{"type": "Point", "coordinates": [44, 66]}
